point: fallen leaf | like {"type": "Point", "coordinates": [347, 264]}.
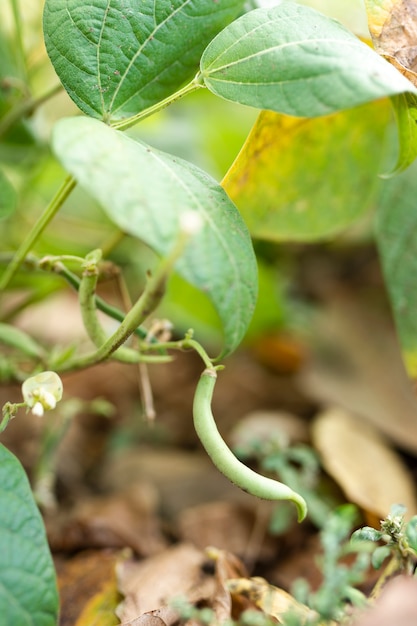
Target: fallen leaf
{"type": "Point", "coordinates": [152, 585]}
{"type": "Point", "coordinates": [125, 519]}
{"type": "Point", "coordinates": [271, 600]}
{"type": "Point", "coordinates": [100, 610]}
{"type": "Point", "coordinates": [393, 28]}
{"type": "Point", "coordinates": [227, 566]}
{"type": "Point", "coordinates": [359, 459]}
{"type": "Point", "coordinates": [88, 581]}
{"type": "Point", "coordinates": [236, 527]}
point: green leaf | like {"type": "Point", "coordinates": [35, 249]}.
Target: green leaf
{"type": "Point", "coordinates": [16, 338]}
{"type": "Point", "coordinates": [366, 533]}
{"type": "Point", "coordinates": [145, 192]}
{"type": "Point", "coordinates": [411, 533]}
{"type": "Point", "coordinates": [405, 109]}
{"type": "Point", "coordinates": [293, 60]}
{"type": "Point", "coordinates": [304, 180]}
{"type": "Point", "coordinates": [28, 591]}
{"type": "Point", "coordinates": [8, 196]}
{"type": "Point", "coordinates": [396, 235]}
{"type": "Point", "coordinates": [379, 555]}
{"type": "Point", "coordinates": [118, 57]}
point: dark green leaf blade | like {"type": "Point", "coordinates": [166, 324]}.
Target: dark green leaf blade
{"type": "Point", "coordinates": [396, 235]}
{"type": "Point", "coordinates": [28, 590]}
{"type": "Point", "coordinates": [116, 58]}
{"type": "Point", "coordinates": [146, 192]}
{"type": "Point", "coordinates": [293, 60]}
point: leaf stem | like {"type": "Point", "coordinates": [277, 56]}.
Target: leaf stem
{"type": "Point", "coordinates": [159, 106]}
{"type": "Point", "coordinates": [38, 228]}
{"type": "Point", "coordinates": [144, 306]}
{"type": "Point", "coordinates": [19, 38]}
{"type": "Point", "coordinates": [87, 299]}
{"type": "Point", "coordinates": [26, 108]}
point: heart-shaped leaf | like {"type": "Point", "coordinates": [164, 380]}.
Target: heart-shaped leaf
{"type": "Point", "coordinates": [145, 192]}
{"type": "Point", "coordinates": [118, 57]}
{"type": "Point", "coordinates": [28, 591]}
{"type": "Point", "coordinates": [293, 60]}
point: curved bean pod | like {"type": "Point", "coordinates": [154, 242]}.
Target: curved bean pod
{"type": "Point", "coordinates": [224, 459]}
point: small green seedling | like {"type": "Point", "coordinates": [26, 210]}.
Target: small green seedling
{"type": "Point", "coordinates": [396, 541]}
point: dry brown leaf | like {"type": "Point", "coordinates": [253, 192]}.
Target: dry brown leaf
{"type": "Point", "coordinates": [88, 581]}
{"type": "Point", "coordinates": [152, 585]}
{"type": "Point", "coordinates": [359, 459]}
{"type": "Point", "coordinates": [100, 610]}
{"type": "Point", "coordinates": [271, 600]}
{"type": "Point", "coordinates": [236, 527]}
{"type": "Point", "coordinates": [227, 566]}
{"type": "Point", "coordinates": [393, 27]}
{"type": "Point", "coordinates": [147, 619]}
{"type": "Point", "coordinates": [126, 519]}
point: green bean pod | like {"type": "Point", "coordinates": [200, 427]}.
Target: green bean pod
{"type": "Point", "coordinates": [224, 459]}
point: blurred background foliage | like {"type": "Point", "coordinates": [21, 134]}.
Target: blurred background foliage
{"type": "Point", "coordinates": [201, 128]}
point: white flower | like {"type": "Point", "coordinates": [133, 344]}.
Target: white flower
{"type": "Point", "coordinates": [42, 392]}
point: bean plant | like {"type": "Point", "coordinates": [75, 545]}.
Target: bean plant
{"type": "Point", "coordinates": [122, 61]}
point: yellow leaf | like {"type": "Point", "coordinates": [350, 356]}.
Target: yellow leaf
{"type": "Point", "coordinates": [306, 179]}
{"type": "Point", "coordinates": [100, 610]}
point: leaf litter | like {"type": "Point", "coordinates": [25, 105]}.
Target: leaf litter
{"type": "Point", "coordinates": [145, 531]}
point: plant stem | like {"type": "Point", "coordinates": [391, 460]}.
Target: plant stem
{"type": "Point", "coordinates": [87, 299]}
{"type": "Point", "coordinates": [144, 306]}
{"type": "Point", "coordinates": [38, 228]}
{"type": "Point", "coordinates": [26, 108]}
{"type": "Point", "coordinates": [19, 37]}
{"type": "Point", "coordinates": [159, 106]}
{"type": "Point", "coordinates": [141, 310]}
{"type": "Point", "coordinates": [183, 344]}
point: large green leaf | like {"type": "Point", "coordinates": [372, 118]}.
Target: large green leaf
{"type": "Point", "coordinates": [118, 57]}
{"type": "Point", "coordinates": [293, 60]}
{"type": "Point", "coordinates": [145, 192]}
{"type": "Point", "coordinates": [303, 180]}
{"type": "Point", "coordinates": [28, 591]}
{"type": "Point", "coordinates": [396, 234]}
